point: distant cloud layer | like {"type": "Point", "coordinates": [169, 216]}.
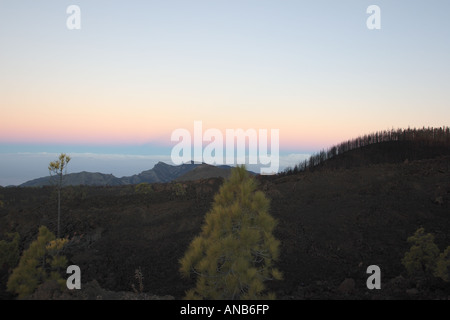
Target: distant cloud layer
{"type": "Point", "coordinates": [17, 168]}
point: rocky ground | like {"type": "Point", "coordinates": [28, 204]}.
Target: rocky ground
{"type": "Point", "coordinates": [332, 224]}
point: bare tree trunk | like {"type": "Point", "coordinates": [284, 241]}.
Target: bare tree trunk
{"type": "Point", "coordinates": [59, 209]}
{"type": "Point", "coordinates": [59, 204]}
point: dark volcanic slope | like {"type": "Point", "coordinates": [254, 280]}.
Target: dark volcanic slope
{"type": "Point", "coordinates": [333, 224]}
{"type": "Point", "coordinates": [205, 171]}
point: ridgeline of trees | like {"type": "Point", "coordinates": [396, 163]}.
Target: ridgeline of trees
{"type": "Point", "coordinates": [391, 146]}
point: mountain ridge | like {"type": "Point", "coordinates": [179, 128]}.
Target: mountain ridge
{"type": "Point", "coordinates": [160, 173]}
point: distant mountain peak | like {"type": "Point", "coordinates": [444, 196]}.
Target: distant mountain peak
{"type": "Point", "coordinates": [161, 172]}
{"type": "Point", "coordinates": [161, 164]}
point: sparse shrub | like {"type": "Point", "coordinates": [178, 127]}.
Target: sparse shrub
{"type": "Point", "coordinates": [40, 262]}
{"type": "Point", "coordinates": [422, 257]}
{"type": "Point", "coordinates": [49, 290]}
{"type": "Point", "coordinates": [140, 281]}
{"type": "Point", "coordinates": [443, 265]}
{"type": "Point", "coordinates": [234, 254]}
{"type": "Point", "coordinates": [75, 193]}
{"type": "Point", "coordinates": [127, 190]}
{"type": "Point", "coordinates": [143, 188]}
{"type": "Point", "coordinates": [2, 203]}
{"type": "Point", "coordinates": [9, 251]}
{"type": "Point", "coordinates": [180, 191]}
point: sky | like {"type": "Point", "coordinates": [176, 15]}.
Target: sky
{"type": "Point", "coordinates": [111, 93]}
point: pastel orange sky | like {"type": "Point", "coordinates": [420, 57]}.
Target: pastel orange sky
{"type": "Point", "coordinates": [305, 124]}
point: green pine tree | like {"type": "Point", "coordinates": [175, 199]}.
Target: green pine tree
{"type": "Point", "coordinates": [40, 262]}
{"type": "Point", "coordinates": [422, 257]}
{"type": "Point", "coordinates": [443, 265]}
{"type": "Point", "coordinates": [234, 254]}
{"type": "Point", "coordinates": [9, 251]}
